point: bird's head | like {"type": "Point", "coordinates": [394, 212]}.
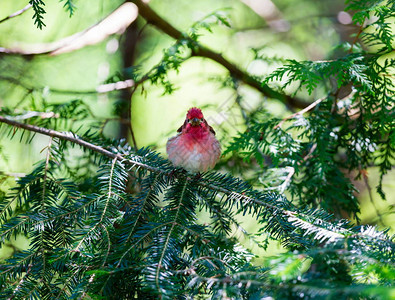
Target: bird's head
{"type": "Point", "coordinates": [195, 122]}
{"type": "Point", "coordinates": [195, 116]}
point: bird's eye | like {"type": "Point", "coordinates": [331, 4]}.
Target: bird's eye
{"type": "Point", "coordinates": [201, 119]}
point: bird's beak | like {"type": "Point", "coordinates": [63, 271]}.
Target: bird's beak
{"type": "Point", "coordinates": [195, 122]}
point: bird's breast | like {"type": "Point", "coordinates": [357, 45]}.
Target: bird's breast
{"type": "Point", "coordinates": [194, 152]}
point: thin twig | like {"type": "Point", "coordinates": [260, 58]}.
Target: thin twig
{"type": "Point", "coordinates": [310, 154]}
{"type": "Point", "coordinates": [21, 282]}
{"type": "Point", "coordinates": [116, 86]}
{"type": "Point", "coordinates": [100, 89]}
{"type": "Point", "coordinates": [366, 181]}
{"type": "Point", "coordinates": [17, 13]}
{"type": "Point", "coordinates": [45, 177]}
{"type": "Point", "coordinates": [301, 112]}
{"type": "Point", "coordinates": [32, 114]}
{"type": "Point", "coordinates": [356, 38]}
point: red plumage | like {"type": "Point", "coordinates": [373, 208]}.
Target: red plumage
{"type": "Point", "coordinates": [195, 148]}
{"type": "Point", "coordinates": [194, 112]}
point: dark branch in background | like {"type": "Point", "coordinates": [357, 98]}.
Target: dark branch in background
{"type": "Point", "coordinates": [153, 18]}
{"type": "Point", "coordinates": [17, 13]}
{"type": "Point", "coordinates": [129, 41]}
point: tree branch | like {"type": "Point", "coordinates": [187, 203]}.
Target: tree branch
{"type": "Point", "coordinates": [322, 229]}
{"type": "Point", "coordinates": [293, 217]}
{"type": "Point", "coordinates": [153, 18]}
{"type": "Point", "coordinates": [117, 20]}
{"type": "Point", "coordinates": [17, 13]}
{"type": "Point", "coordinates": [301, 112]}
{"type": "Point", "coordinates": [71, 137]}
{"type": "Point", "coordinates": [100, 89]}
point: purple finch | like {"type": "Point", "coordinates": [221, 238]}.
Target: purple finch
{"type": "Point", "coordinates": [195, 147]}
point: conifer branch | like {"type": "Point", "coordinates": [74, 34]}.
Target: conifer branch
{"type": "Point", "coordinates": [109, 193]}
{"type": "Point", "coordinates": [137, 218]}
{"type": "Point", "coordinates": [231, 194]}
{"type": "Point", "coordinates": [45, 177]}
{"type": "Point", "coordinates": [23, 279]}
{"type": "Point", "coordinates": [74, 139]}
{"type": "Point", "coordinates": [118, 222]}
{"type": "Point", "coordinates": [167, 240]}
{"type": "Point", "coordinates": [296, 218]}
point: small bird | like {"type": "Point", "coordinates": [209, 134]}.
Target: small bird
{"type": "Point", "coordinates": [195, 147]}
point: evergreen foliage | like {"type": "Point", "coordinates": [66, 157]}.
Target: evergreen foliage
{"type": "Point", "coordinates": [125, 224]}
{"type": "Point", "coordinates": [39, 11]}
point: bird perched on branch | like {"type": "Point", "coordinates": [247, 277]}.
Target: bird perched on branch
{"type": "Point", "coordinates": [195, 147]}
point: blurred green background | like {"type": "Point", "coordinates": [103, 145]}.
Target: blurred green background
{"type": "Point", "coordinates": [290, 29]}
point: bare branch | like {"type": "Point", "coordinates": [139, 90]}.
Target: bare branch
{"type": "Point", "coordinates": [116, 21]}
{"type": "Point", "coordinates": [270, 13]}
{"type": "Point", "coordinates": [116, 86]}
{"type": "Point", "coordinates": [301, 112]}
{"type": "Point", "coordinates": [61, 135]}
{"type": "Point", "coordinates": [100, 89]}
{"type": "Point", "coordinates": [310, 107]}
{"type": "Point", "coordinates": [17, 13]}
{"type": "Point", "coordinates": [32, 114]}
